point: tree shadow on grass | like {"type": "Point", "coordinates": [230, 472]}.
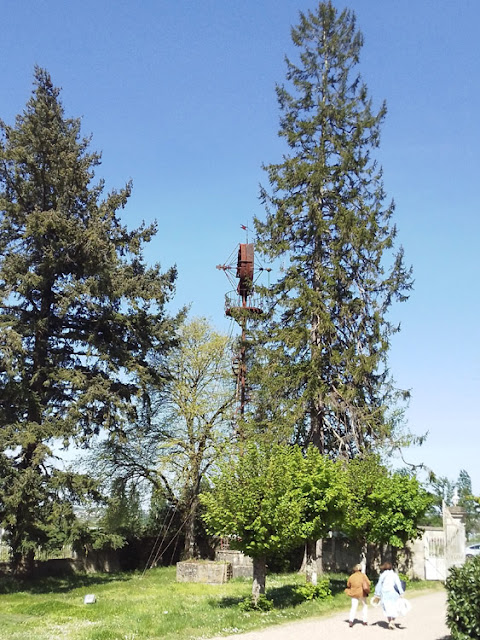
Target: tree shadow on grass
{"type": "Point", "coordinates": [283, 597]}
{"type": "Point", "coordinates": [337, 585]}
{"type": "Point", "coordinates": [10, 584]}
{"type": "Point", "coordinates": [226, 602]}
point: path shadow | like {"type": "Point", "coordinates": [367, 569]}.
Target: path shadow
{"type": "Point", "coordinates": [380, 623]}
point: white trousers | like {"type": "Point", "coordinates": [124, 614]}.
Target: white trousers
{"type": "Point", "coordinates": [353, 609]}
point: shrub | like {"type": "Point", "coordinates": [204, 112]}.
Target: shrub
{"type": "Point", "coordinates": [262, 604]}
{"type": "Point", "coordinates": [404, 578]}
{"type": "Point", "coordinates": [320, 591]}
{"type": "Point", "coordinates": [463, 601]}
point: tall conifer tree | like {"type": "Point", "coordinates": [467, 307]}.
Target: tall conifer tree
{"type": "Point", "coordinates": [80, 312]}
{"type": "Point", "coordinates": [328, 332]}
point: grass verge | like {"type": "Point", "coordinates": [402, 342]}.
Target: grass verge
{"type": "Point", "coordinates": [153, 606]}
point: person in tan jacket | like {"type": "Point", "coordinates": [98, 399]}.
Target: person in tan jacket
{"type": "Point", "coordinates": [358, 588]}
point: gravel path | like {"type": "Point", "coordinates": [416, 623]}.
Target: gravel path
{"type": "Point", "coordinates": [425, 621]}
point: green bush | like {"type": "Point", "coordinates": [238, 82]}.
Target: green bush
{"type": "Point", "coordinates": [405, 579]}
{"type": "Point", "coordinates": [463, 601]}
{"type": "Point", "coordinates": [262, 604]}
{"type": "Point", "coordinates": [320, 591]}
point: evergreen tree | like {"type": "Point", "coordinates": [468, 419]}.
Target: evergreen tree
{"type": "Point", "coordinates": [467, 501]}
{"type": "Point", "coordinates": [80, 313]}
{"type": "Point", "coordinates": [323, 368]}
{"type": "Point", "coordinates": [124, 515]}
{"type": "Point", "coordinates": [441, 490]}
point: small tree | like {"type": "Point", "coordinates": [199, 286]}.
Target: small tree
{"type": "Point", "coordinates": [255, 501]}
{"type": "Point", "coordinates": [323, 487]}
{"type": "Point", "coordinates": [467, 501]}
{"type": "Point", "coordinates": [124, 515]}
{"type": "Point", "coordinates": [441, 491]}
{"type": "Point", "coordinates": [383, 507]}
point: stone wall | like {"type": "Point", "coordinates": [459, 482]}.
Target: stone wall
{"type": "Point", "coordinates": [340, 554]}
{"type": "Point", "coordinates": [204, 571]}
{"type": "Point", "coordinates": [242, 565]}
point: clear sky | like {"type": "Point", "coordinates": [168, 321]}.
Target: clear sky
{"type": "Point", "coordinates": [179, 96]}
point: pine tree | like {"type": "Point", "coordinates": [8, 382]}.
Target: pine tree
{"type": "Point", "coordinates": [467, 501]}
{"type": "Point", "coordinates": [80, 313]}
{"type": "Point", "coordinates": [323, 365]}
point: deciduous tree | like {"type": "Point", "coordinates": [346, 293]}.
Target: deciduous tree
{"type": "Point", "coordinates": [185, 427]}
{"type": "Point", "coordinates": [322, 483]}
{"type": "Point", "coordinates": [384, 507]}
{"type": "Point", "coordinates": [256, 502]}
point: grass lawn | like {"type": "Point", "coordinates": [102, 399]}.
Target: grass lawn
{"type": "Point", "coordinates": [153, 606]}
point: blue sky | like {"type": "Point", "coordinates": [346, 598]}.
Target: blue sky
{"type": "Point", "coordinates": [179, 97]}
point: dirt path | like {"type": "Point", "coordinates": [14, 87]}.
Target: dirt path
{"type": "Point", "coordinates": [425, 621]}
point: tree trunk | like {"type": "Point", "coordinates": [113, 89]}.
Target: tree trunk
{"type": "Point", "coordinates": [259, 573]}
{"type": "Point", "coordinates": [319, 552]}
{"type": "Point", "coordinates": [311, 561]}
{"type": "Point", "coordinates": [190, 548]}
{"type": "Point", "coordinates": [394, 557]}
{"type": "Point", "coordinates": [363, 557]}
{"type": "Point", "coordinates": [23, 564]}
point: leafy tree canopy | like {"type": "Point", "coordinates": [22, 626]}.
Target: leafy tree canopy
{"type": "Point", "coordinates": [384, 507]}
{"type": "Point", "coordinates": [256, 501]}
{"type": "Point", "coordinates": [184, 427]}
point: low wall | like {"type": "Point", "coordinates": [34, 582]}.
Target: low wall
{"type": "Point", "coordinates": [204, 571]}
{"type": "Point", "coordinates": [242, 565]}
{"type": "Point", "coordinates": [340, 554]}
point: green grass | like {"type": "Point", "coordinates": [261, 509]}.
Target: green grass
{"type": "Point", "coordinates": [153, 606]}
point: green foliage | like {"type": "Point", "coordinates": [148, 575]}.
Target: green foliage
{"type": "Point", "coordinates": [273, 497]}
{"type": "Point", "coordinates": [384, 507]}
{"type": "Point", "coordinates": [124, 515]}
{"type": "Point", "coordinates": [86, 538]}
{"type": "Point", "coordinates": [405, 579]}
{"type": "Point", "coordinates": [184, 428]}
{"type": "Point", "coordinates": [463, 601]}
{"type": "Point", "coordinates": [80, 314]}
{"type": "Point", "coordinates": [262, 603]}
{"type": "Point", "coordinates": [320, 591]}
{"type": "Point", "coordinates": [322, 485]}
{"type": "Point", "coordinates": [320, 370]}
{"type": "Point", "coordinates": [441, 490]}
{"type": "Point", "coordinates": [467, 501]}
{"type": "Point", "coordinates": [255, 500]}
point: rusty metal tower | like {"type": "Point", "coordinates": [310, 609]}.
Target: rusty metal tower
{"type": "Point", "coordinates": [241, 305]}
